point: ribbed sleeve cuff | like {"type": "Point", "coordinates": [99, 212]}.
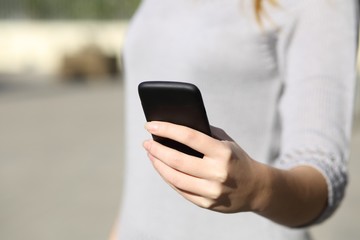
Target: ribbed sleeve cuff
{"type": "Point", "coordinates": [330, 166]}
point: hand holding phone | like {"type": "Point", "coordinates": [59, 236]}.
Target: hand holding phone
{"type": "Point", "coordinates": [175, 102]}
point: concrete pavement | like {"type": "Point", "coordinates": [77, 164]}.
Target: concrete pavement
{"type": "Point", "coordinates": [60, 161]}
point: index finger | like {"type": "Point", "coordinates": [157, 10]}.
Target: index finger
{"type": "Point", "coordinates": [187, 136]}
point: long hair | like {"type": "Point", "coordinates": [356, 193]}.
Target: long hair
{"type": "Point", "coordinates": [259, 9]}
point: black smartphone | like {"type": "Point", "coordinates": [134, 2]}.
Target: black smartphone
{"type": "Point", "coordinates": [175, 102]}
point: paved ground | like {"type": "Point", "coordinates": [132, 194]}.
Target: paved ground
{"type": "Point", "coordinates": [60, 161]}
{"type": "Point", "coordinates": [60, 164]}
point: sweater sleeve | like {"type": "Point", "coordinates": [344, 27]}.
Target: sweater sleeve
{"type": "Point", "coordinates": [316, 107]}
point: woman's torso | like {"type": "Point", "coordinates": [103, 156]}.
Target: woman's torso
{"type": "Point", "coordinates": [238, 66]}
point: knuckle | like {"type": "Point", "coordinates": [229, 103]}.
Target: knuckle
{"type": "Point", "coordinates": [177, 163]}
{"type": "Point", "coordinates": [164, 128]}
{"type": "Point", "coordinates": [227, 152]}
{"type": "Point", "coordinates": [216, 192]}
{"type": "Point", "coordinates": [221, 176]}
{"type": "Point", "coordinates": [206, 204]}
{"type": "Point", "coordinates": [175, 181]}
{"type": "Point", "coordinates": [190, 136]}
{"type": "Point", "coordinates": [173, 157]}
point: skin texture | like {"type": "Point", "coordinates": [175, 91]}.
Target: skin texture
{"type": "Point", "coordinates": [228, 180]}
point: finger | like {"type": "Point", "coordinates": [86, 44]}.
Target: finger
{"type": "Point", "coordinates": [187, 183]}
{"type": "Point", "coordinates": [190, 137]}
{"type": "Point", "coordinates": [211, 204]}
{"type": "Point", "coordinates": [197, 200]}
{"type": "Point", "coordinates": [197, 167]}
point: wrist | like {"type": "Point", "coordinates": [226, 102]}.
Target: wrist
{"type": "Point", "coordinates": [289, 197]}
{"type": "Point", "coordinates": [262, 190]}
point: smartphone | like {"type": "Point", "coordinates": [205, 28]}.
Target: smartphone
{"type": "Point", "coordinates": [175, 102]}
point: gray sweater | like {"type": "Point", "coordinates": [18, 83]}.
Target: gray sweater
{"type": "Point", "coordinates": [284, 92]}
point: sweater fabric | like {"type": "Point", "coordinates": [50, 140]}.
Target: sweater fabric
{"type": "Point", "coordinates": [283, 89]}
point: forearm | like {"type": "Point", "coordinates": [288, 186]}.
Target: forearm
{"type": "Point", "coordinates": [293, 197]}
{"type": "Point", "coordinates": [227, 180]}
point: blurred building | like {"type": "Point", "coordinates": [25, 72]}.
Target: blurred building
{"type": "Point", "coordinates": [39, 47]}
{"type": "Point", "coordinates": [40, 36]}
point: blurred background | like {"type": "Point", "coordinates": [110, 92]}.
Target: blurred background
{"type": "Point", "coordinates": [61, 117]}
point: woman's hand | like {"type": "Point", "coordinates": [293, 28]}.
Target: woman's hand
{"type": "Point", "coordinates": [224, 180]}
{"type": "Point", "coordinates": [227, 180]}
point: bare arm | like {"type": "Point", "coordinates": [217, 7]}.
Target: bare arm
{"type": "Point", "coordinates": [227, 180]}
{"type": "Point", "coordinates": [293, 197]}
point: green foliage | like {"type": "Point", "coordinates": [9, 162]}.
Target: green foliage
{"type": "Point", "coordinates": [70, 9]}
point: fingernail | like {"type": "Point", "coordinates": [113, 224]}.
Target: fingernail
{"type": "Point", "coordinates": [151, 126]}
